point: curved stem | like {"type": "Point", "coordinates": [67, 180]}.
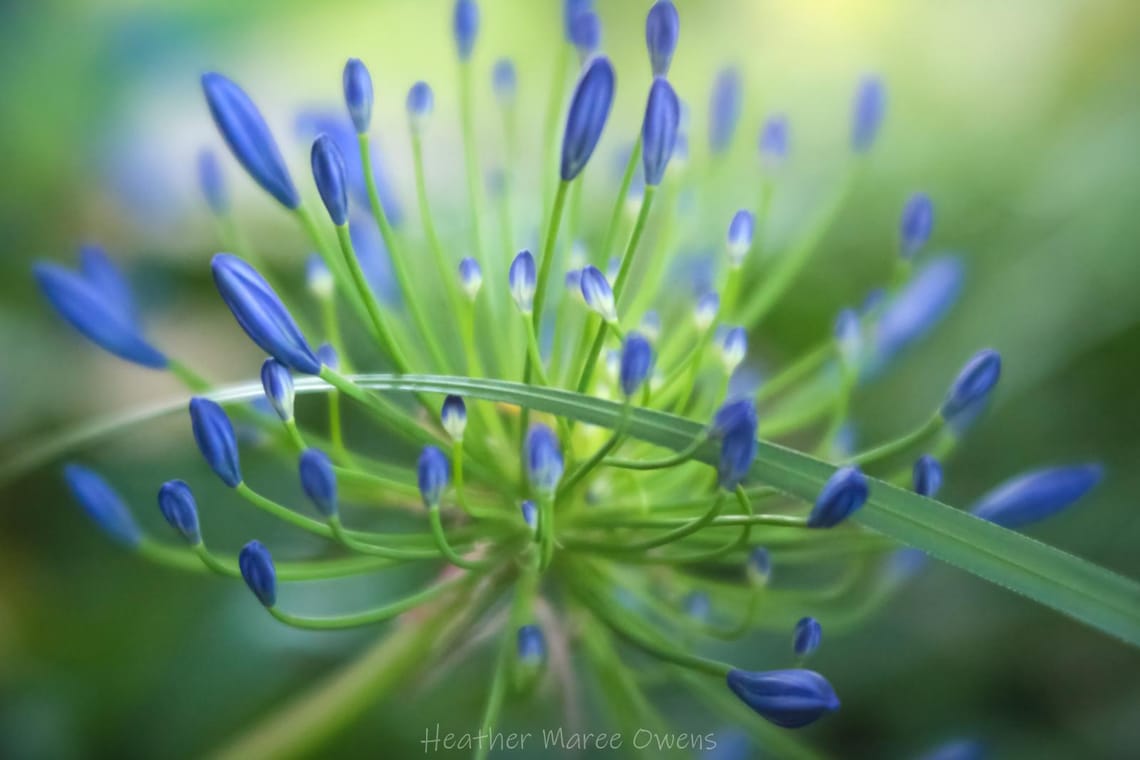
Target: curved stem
{"type": "Point", "coordinates": [368, 617]}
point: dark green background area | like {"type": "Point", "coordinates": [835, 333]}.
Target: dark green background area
{"type": "Point", "coordinates": [1021, 119]}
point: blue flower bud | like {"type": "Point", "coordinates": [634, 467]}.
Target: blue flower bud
{"type": "Point", "coordinates": [530, 514]}
{"type": "Point", "coordinates": [261, 314]}
{"type": "Point", "coordinates": [636, 362]}
{"type": "Point", "coordinates": [848, 336]}
{"type": "Point", "coordinates": [589, 109]}
{"type": "Point", "coordinates": [421, 102]}
{"type": "Point", "coordinates": [724, 109]}
{"type": "Point", "coordinates": [573, 282]}
{"type": "Point", "coordinates": [843, 493]}
{"type": "Point", "coordinates": [212, 183]}
{"type": "Point", "coordinates": [916, 224]}
{"type": "Point", "coordinates": [1036, 495]}
{"type": "Point", "coordinates": [570, 11]}
{"type": "Point", "coordinates": [598, 294]}
{"type": "Point", "coordinates": [544, 463]}
{"type": "Point", "coordinates": [256, 565]}
{"type": "Point", "coordinates": [740, 233]}
{"type": "Point", "coordinates": [466, 26]}
{"type": "Point", "coordinates": [973, 384]}
{"type": "Point", "coordinates": [214, 434]}
{"type": "Point", "coordinates": [433, 473]}
{"type": "Point", "coordinates": [318, 278]}
{"type": "Point", "coordinates": [470, 277]}
{"type": "Point", "coordinates": [453, 415]}
{"type": "Point", "coordinates": [740, 413]}
{"type": "Point", "coordinates": [102, 504]}
{"type": "Point", "coordinates": [867, 113]}
{"type": "Point", "coordinates": [176, 502]}
{"type": "Point", "coordinates": [807, 635]}
{"type": "Point", "coordinates": [697, 606]}
{"type": "Point", "coordinates": [651, 325]}
{"type": "Point", "coordinates": [919, 306]}
{"type": "Point", "coordinates": [531, 645]}
{"type": "Point", "coordinates": [328, 356]}
{"type": "Point", "coordinates": [96, 302]}
{"type": "Point", "coordinates": [249, 138]}
{"type": "Point", "coordinates": [505, 81]}
{"type": "Point", "coordinates": [318, 480]}
{"type": "Point", "coordinates": [662, 28]}
{"type": "Point", "coordinates": [659, 130]}
{"type": "Point", "coordinates": [586, 34]}
{"type": "Point", "coordinates": [774, 142]}
{"type": "Point", "coordinates": [733, 348]}
{"type": "Point", "coordinates": [706, 310]}
{"type": "Point", "coordinates": [358, 94]}
{"type": "Point", "coordinates": [759, 566]}
{"type": "Point", "coordinates": [329, 174]}
{"type": "Point", "coordinates": [927, 476]}
{"type": "Point", "coordinates": [522, 278]}
{"type": "Point", "coordinates": [788, 698]}
{"type": "Point", "coordinates": [957, 749]}
{"type": "Point", "coordinates": [277, 382]}
{"type": "Point", "coordinates": [737, 450]}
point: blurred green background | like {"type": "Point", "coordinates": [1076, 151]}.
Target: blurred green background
{"type": "Point", "coordinates": [1021, 119]}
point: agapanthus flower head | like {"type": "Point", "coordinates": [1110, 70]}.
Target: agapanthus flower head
{"type": "Point", "coordinates": [598, 294]}
{"type": "Point", "coordinates": [724, 109]}
{"type": "Point", "coordinates": [916, 224]}
{"type": "Point", "coordinates": [102, 504]}
{"type": "Point", "coordinates": [586, 34]}
{"type": "Point", "coordinates": [844, 493]}
{"type": "Point", "coordinates": [248, 136]}
{"type": "Point", "coordinates": [358, 94]}
{"type": "Point", "coordinates": [331, 177]}
{"type": "Point", "coordinates": [659, 130]}
{"type": "Point", "coordinates": [733, 348]}
{"type": "Point", "coordinates": [420, 103]}
{"type": "Point", "coordinates": [433, 473]}
{"type": "Point", "coordinates": [636, 362]}
{"type": "Point", "coordinates": [544, 463]}
{"type": "Point", "coordinates": [180, 510]}
{"type": "Point", "coordinates": [214, 434]}
{"type": "Point", "coordinates": [759, 566]}
{"type": "Point", "coordinates": [523, 277]}
{"type": "Point", "coordinates": [704, 314]}
{"type": "Point", "coordinates": [212, 183]}
{"type": "Point", "coordinates": [453, 417]}
{"type": "Point", "coordinates": [973, 384]}
{"type": "Point", "coordinates": [927, 476]}
{"type": "Point", "coordinates": [806, 636]}
{"type": "Point", "coordinates": [96, 301]}
{"type": "Point", "coordinates": [277, 381]}
{"type": "Point", "coordinates": [1035, 495]}
{"type": "Point", "coordinates": [465, 25]}
{"type": "Point", "coordinates": [867, 113]}
{"type": "Point", "coordinates": [505, 81]}
{"type": "Point", "coordinates": [773, 142]}
{"type": "Point", "coordinates": [318, 279]}
{"type": "Point", "coordinates": [788, 698]}
{"type": "Point", "coordinates": [258, 572]}
{"type": "Point", "coordinates": [589, 109]}
{"type": "Point", "coordinates": [740, 231]}
{"type": "Point", "coordinates": [318, 480]}
{"type": "Point", "coordinates": [260, 312]}
{"type": "Point", "coordinates": [662, 28]}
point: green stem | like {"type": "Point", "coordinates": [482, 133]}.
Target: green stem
{"type": "Point", "coordinates": [371, 305]}
{"type": "Point", "coordinates": [901, 444]}
{"type": "Point", "coordinates": [368, 617]}
{"type": "Point", "coordinates": [619, 204]}
{"type": "Point", "coordinates": [445, 548]}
